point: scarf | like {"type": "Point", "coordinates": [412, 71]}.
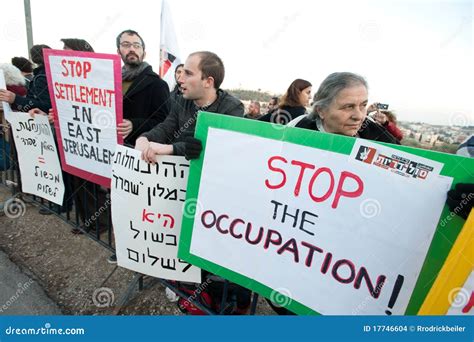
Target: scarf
{"type": "Point", "coordinates": [129, 72]}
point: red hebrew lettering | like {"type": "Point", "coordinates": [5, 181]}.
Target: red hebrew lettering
{"type": "Point", "coordinates": [146, 216]}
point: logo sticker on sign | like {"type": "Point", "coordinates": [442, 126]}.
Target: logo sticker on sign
{"type": "Point", "coordinates": [394, 161]}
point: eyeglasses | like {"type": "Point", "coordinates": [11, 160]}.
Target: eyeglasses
{"type": "Point", "coordinates": [127, 45]}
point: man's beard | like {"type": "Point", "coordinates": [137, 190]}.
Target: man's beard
{"type": "Point", "coordinates": [133, 63]}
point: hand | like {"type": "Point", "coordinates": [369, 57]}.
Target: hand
{"type": "Point", "coordinates": [154, 149]}
{"type": "Point", "coordinates": [36, 111]}
{"type": "Point", "coordinates": [461, 199]}
{"type": "Point", "coordinates": [7, 96]}
{"type": "Point", "coordinates": [380, 117]}
{"type": "Point", "coordinates": [51, 116]}
{"type": "Point", "coordinates": [192, 148]}
{"type": "Point", "coordinates": [125, 128]}
{"type": "Point", "coordinates": [141, 144]}
{"type": "Point", "coordinates": [372, 107]}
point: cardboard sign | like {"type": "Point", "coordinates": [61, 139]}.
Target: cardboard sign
{"type": "Point", "coordinates": [294, 215]}
{"type": "Point", "coordinates": [86, 93]}
{"type": "Point", "coordinates": [37, 156]}
{"type": "Point", "coordinates": [147, 205]}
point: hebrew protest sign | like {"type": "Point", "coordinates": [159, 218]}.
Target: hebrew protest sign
{"type": "Point", "coordinates": [147, 209]}
{"type": "Point", "coordinates": [304, 219]}
{"type": "Point", "coordinates": [37, 156]}
{"type": "Point", "coordinates": [86, 93]}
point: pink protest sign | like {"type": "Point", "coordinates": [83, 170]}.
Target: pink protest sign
{"type": "Point", "coordinates": [86, 95]}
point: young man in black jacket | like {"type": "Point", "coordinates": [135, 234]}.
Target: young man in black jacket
{"type": "Point", "coordinates": [145, 95]}
{"type": "Point", "coordinates": [203, 75]}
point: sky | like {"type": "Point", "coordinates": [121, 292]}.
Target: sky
{"type": "Point", "coordinates": [416, 55]}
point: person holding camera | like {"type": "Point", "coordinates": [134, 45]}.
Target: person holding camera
{"type": "Point", "coordinates": [386, 118]}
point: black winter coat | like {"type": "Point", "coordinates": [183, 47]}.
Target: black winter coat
{"type": "Point", "coordinates": [37, 95]}
{"type": "Point", "coordinates": [370, 130]}
{"type": "Point", "coordinates": [146, 103]}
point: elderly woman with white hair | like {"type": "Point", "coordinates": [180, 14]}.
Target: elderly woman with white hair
{"type": "Point", "coordinates": [340, 107]}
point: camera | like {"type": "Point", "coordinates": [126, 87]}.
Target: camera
{"type": "Point", "coordinates": [382, 106]}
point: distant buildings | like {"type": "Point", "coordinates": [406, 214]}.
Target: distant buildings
{"type": "Point", "coordinates": [432, 136]}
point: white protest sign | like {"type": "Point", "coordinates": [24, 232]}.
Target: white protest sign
{"type": "Point", "coordinates": [147, 209]}
{"type": "Point", "coordinates": [86, 95]}
{"type": "Point", "coordinates": [37, 156]}
{"type": "Point", "coordinates": [331, 234]}
{"type": "Point", "coordinates": [6, 106]}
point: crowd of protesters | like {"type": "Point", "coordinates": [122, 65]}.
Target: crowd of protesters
{"type": "Point", "coordinates": [157, 121]}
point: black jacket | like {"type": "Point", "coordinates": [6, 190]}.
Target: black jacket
{"type": "Point", "coordinates": [37, 95]}
{"type": "Point", "coordinates": [370, 130]}
{"type": "Point", "coordinates": [146, 103]}
{"type": "Point", "coordinates": [182, 119]}
{"type": "Point", "coordinates": [286, 114]}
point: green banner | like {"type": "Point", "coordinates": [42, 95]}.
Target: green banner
{"type": "Point", "coordinates": [459, 168]}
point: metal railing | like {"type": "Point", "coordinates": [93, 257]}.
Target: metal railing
{"type": "Point", "coordinates": [83, 201]}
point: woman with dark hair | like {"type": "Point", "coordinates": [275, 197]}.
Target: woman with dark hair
{"type": "Point", "coordinates": [293, 103]}
{"type": "Point", "coordinates": [38, 94]}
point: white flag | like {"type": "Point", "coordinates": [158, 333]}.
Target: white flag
{"type": "Point", "coordinates": [169, 51]}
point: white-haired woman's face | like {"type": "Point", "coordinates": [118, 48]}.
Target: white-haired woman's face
{"type": "Point", "coordinates": [347, 111]}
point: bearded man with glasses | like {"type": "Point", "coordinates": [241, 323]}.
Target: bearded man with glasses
{"type": "Point", "coordinates": [145, 95]}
